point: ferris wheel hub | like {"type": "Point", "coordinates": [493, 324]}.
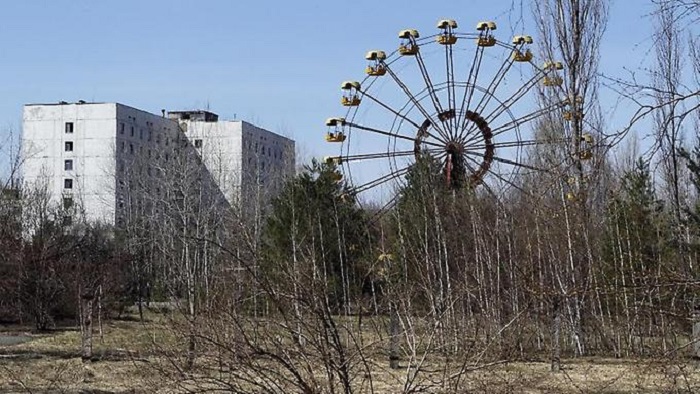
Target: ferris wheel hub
{"type": "Point", "coordinates": [469, 152]}
{"type": "Point", "coordinates": [454, 147]}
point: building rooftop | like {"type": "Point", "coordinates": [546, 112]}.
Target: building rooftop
{"type": "Point", "coordinates": [198, 114]}
{"type": "Point", "coordinates": [79, 102]}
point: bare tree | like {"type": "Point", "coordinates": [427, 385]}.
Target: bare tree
{"type": "Point", "coordinates": [572, 30]}
{"type": "Point", "coordinates": [10, 227]}
{"type": "Point", "coordinates": [669, 117]}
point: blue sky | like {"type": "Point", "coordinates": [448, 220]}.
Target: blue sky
{"type": "Point", "coordinates": [275, 63]}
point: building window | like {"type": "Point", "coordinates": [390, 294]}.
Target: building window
{"type": "Point", "coordinates": [198, 144]}
{"type": "Point", "coordinates": [263, 150]}
{"type": "Point", "coordinates": [140, 134]}
{"type": "Point", "coordinates": [68, 165]}
{"type": "Point", "coordinates": [121, 128]}
{"type": "Point", "coordinates": [132, 131]}
{"type": "Point", "coordinates": [69, 127]}
{"type": "Point", "coordinates": [150, 134]}
{"type": "Point", "coordinates": [131, 148]}
{"type": "Point", "coordinates": [67, 183]}
{"type": "Point", "coordinates": [69, 146]}
{"type": "Point", "coordinates": [67, 202]}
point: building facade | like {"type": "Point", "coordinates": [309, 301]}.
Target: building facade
{"type": "Point", "coordinates": [95, 155]}
{"type": "Point", "coordinates": [246, 161]}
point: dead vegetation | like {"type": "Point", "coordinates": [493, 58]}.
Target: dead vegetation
{"type": "Point", "coordinates": [143, 358]}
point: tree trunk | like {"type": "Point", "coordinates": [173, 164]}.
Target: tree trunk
{"type": "Point", "coordinates": [696, 331]}
{"type": "Point", "coordinates": [87, 301]}
{"type": "Point", "coordinates": [556, 331]}
{"type": "Point", "coordinates": [393, 336]}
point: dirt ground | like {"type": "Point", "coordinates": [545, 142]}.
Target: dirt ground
{"type": "Point", "coordinates": [50, 363]}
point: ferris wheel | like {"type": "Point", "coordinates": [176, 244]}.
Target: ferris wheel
{"type": "Point", "coordinates": [460, 98]}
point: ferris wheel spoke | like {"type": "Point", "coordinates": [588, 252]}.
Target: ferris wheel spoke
{"type": "Point", "coordinates": [473, 171]}
{"type": "Point", "coordinates": [524, 119]}
{"type": "Point", "coordinates": [488, 188]}
{"type": "Point", "coordinates": [482, 181]}
{"type": "Point", "coordinates": [400, 115]}
{"type": "Point", "coordinates": [469, 166]}
{"type": "Point", "coordinates": [382, 179]}
{"type": "Point", "coordinates": [520, 93]}
{"type": "Point", "coordinates": [429, 84]}
{"type": "Point", "coordinates": [517, 164]}
{"type": "Point", "coordinates": [415, 101]}
{"type": "Point", "coordinates": [451, 93]}
{"type": "Point", "coordinates": [384, 208]}
{"type": "Point", "coordinates": [433, 151]}
{"type": "Point", "coordinates": [491, 88]}
{"type": "Point", "coordinates": [390, 134]}
{"type": "Point", "coordinates": [382, 155]}
{"type": "Point", "coordinates": [388, 108]}
{"type": "Point", "coordinates": [471, 84]}
{"type": "Point", "coordinates": [515, 144]}
{"type": "Point", "coordinates": [498, 175]}
{"type": "Point", "coordinates": [500, 76]}
{"type": "Point", "coordinates": [512, 124]}
{"type": "Point", "coordinates": [505, 180]}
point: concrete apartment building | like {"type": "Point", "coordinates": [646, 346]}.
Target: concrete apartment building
{"type": "Point", "coordinates": [240, 156]}
{"type": "Point", "coordinates": [81, 152]}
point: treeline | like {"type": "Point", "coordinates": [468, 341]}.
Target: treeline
{"type": "Point", "coordinates": [535, 271]}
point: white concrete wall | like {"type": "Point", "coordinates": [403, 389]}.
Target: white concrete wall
{"type": "Point", "coordinates": [93, 136]}
{"type": "Point", "coordinates": [220, 151]}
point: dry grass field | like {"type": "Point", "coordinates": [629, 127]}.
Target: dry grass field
{"type": "Point", "coordinates": [132, 357]}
